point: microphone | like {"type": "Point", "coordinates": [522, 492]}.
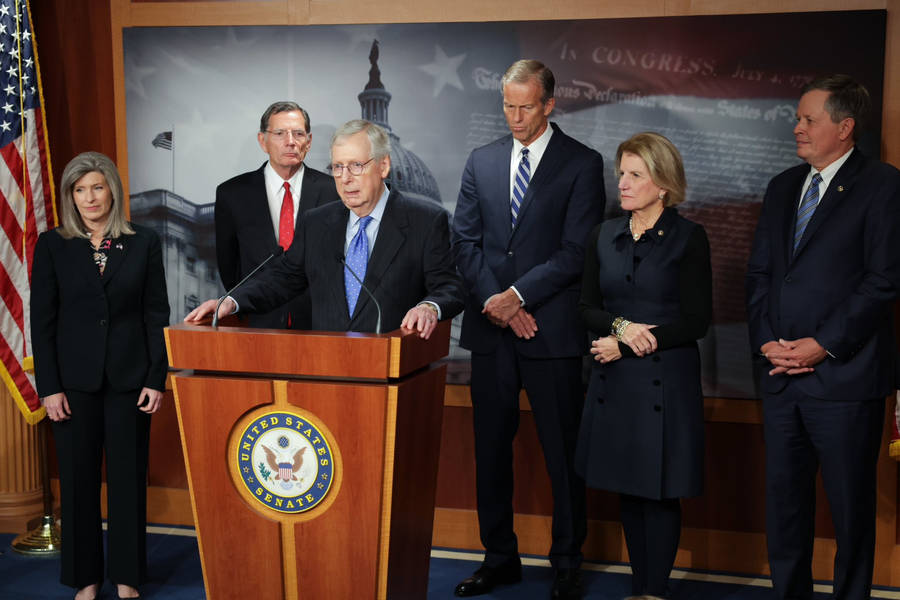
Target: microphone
{"type": "Point", "coordinates": [215, 320]}
{"type": "Point", "coordinates": [363, 286]}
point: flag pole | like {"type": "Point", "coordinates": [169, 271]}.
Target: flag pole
{"type": "Point", "coordinates": [45, 539]}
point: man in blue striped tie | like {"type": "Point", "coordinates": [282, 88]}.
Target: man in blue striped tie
{"type": "Point", "coordinates": [526, 205]}
{"type": "Point", "coordinates": [823, 277]}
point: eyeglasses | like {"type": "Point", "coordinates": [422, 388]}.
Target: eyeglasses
{"type": "Point", "coordinates": [355, 168]}
{"type": "Point", "coordinates": [280, 134]}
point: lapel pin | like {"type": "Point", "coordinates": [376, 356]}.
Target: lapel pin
{"type": "Point", "coordinates": [660, 232]}
{"type": "Point", "coordinates": [840, 188]}
{"type": "Point", "coordinates": [120, 246]}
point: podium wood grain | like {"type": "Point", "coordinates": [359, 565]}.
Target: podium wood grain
{"type": "Point", "coordinates": [380, 404]}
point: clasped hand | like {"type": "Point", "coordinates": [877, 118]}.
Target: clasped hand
{"type": "Point", "coordinates": [606, 349]}
{"type": "Point", "coordinates": [505, 310]}
{"type": "Point", "coordinates": [793, 357]}
{"type": "Point", "coordinates": [639, 338]}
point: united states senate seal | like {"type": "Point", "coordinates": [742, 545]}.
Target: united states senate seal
{"type": "Point", "coordinates": [285, 461]}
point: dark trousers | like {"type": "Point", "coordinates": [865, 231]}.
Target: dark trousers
{"type": "Point", "coordinates": [555, 393]}
{"type": "Point", "coordinates": [803, 434]}
{"type": "Point", "coordinates": [652, 530]}
{"type": "Point", "coordinates": [111, 420]}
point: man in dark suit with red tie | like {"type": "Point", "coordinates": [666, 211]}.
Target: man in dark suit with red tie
{"type": "Point", "coordinates": [823, 278]}
{"type": "Point", "coordinates": [526, 205]}
{"type": "Point", "coordinates": [257, 212]}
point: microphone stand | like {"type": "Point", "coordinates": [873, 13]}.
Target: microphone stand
{"type": "Point", "coordinates": [215, 319]}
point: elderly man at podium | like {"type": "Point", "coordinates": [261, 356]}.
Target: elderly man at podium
{"type": "Point", "coordinates": [379, 257]}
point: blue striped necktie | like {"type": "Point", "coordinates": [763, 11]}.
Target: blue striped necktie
{"type": "Point", "coordinates": [807, 208]}
{"type": "Point", "coordinates": [523, 176]}
{"type": "Point", "coordinates": [358, 260]}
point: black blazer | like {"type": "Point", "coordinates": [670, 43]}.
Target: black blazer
{"type": "Point", "coordinates": [410, 263]}
{"type": "Point", "coordinates": [839, 287]}
{"type": "Point", "coordinates": [85, 327]}
{"type": "Point", "coordinates": [245, 237]}
{"type": "Point", "coordinates": [543, 255]}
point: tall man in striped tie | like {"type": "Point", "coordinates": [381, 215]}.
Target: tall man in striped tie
{"type": "Point", "coordinates": [526, 205]}
{"type": "Point", "coordinates": [823, 277]}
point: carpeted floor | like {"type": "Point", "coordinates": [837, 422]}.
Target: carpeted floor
{"type": "Point", "coordinates": [175, 575]}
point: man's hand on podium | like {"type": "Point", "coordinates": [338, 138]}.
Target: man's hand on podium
{"type": "Point", "coordinates": [421, 318]}
{"type": "Point", "coordinates": [205, 309]}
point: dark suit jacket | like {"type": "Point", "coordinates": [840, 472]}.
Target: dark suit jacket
{"type": "Point", "coordinates": [542, 256]}
{"type": "Point", "coordinates": [245, 236]}
{"type": "Point", "coordinates": [410, 263]}
{"type": "Point", "coordinates": [840, 285]}
{"type": "Point", "coordinates": [85, 327]}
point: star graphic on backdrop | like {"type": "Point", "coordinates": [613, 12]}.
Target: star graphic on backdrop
{"type": "Point", "coordinates": [444, 70]}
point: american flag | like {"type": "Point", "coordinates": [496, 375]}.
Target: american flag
{"type": "Point", "coordinates": [26, 197]}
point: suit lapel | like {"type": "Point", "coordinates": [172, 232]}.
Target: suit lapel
{"type": "Point", "coordinates": [331, 238]}
{"type": "Point", "coordinates": [391, 235]}
{"type": "Point", "coordinates": [258, 204]}
{"type": "Point", "coordinates": [309, 194]}
{"type": "Point", "coordinates": [837, 189]}
{"type": "Point", "coordinates": [789, 218]}
{"type": "Point", "coordinates": [84, 260]}
{"type": "Point", "coordinates": [115, 257]}
{"type": "Point", "coordinates": [549, 166]}
{"type": "Point", "coordinates": [500, 164]}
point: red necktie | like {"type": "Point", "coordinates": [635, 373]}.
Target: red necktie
{"type": "Point", "coordinates": [286, 223]}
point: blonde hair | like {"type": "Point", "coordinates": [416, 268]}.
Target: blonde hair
{"type": "Point", "coordinates": [71, 224]}
{"type": "Point", "coordinates": [663, 161]}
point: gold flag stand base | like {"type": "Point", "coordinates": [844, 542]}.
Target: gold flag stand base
{"type": "Point", "coordinates": [42, 541]}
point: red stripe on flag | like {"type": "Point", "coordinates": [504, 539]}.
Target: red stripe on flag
{"type": "Point", "coordinates": [8, 220]}
{"type": "Point", "coordinates": [11, 362]}
{"type": "Point", "coordinates": [45, 173]}
{"type": "Point", "coordinates": [12, 299]}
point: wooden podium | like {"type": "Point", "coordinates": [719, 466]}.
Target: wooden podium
{"type": "Point", "coordinates": [312, 458]}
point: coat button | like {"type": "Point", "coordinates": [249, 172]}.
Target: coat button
{"type": "Point", "coordinates": [656, 358]}
{"type": "Point", "coordinates": [102, 322]}
{"type": "Point", "coordinates": [628, 278]}
{"type": "Point", "coordinates": [600, 400]}
{"type": "Point", "coordinates": [787, 279]}
{"type": "Point", "coordinates": [657, 408]}
{"type": "Point", "coordinates": [510, 253]}
{"type": "Point", "coordinates": [657, 382]}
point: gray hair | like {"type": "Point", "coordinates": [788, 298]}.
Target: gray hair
{"type": "Point", "coordinates": [663, 161]}
{"type": "Point", "coordinates": [71, 224]}
{"type": "Point", "coordinates": [847, 98]}
{"type": "Point", "coordinates": [525, 70]}
{"type": "Point", "coordinates": [378, 138]}
{"type": "Point", "coordinates": [281, 107]}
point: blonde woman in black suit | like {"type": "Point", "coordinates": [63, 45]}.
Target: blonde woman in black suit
{"type": "Point", "coordinates": [98, 308]}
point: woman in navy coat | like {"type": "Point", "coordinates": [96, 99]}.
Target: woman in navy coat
{"type": "Point", "coordinates": [647, 298]}
{"type": "Point", "coordinates": [98, 308]}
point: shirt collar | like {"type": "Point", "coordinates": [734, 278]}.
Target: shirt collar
{"type": "Point", "coordinates": [535, 148]}
{"type": "Point", "coordinates": [274, 182]}
{"type": "Point", "coordinates": [377, 212]}
{"type": "Point", "coordinates": [831, 170]}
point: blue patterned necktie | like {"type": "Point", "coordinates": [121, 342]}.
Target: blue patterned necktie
{"type": "Point", "coordinates": [807, 208]}
{"type": "Point", "coordinates": [523, 176]}
{"type": "Point", "coordinates": [357, 259]}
